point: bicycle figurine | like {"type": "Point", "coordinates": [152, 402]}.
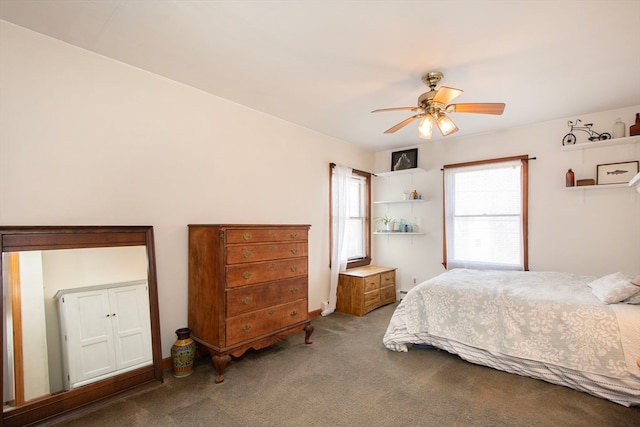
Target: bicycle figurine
{"type": "Point", "coordinates": [570, 138]}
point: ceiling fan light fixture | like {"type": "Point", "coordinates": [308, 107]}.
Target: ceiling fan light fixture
{"type": "Point", "coordinates": [425, 128]}
{"type": "Point", "coordinates": [433, 105]}
{"type": "Point", "coordinates": [446, 126]}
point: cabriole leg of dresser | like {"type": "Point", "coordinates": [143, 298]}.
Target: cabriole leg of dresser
{"type": "Point", "coordinates": [220, 362]}
{"type": "Point", "coordinates": [308, 330]}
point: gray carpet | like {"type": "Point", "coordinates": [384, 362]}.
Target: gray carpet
{"type": "Point", "coordinates": [347, 378]}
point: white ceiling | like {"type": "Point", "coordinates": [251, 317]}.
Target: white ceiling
{"type": "Point", "coordinates": [326, 64]}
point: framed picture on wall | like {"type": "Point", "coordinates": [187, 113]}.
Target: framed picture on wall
{"type": "Point", "coordinates": [406, 159]}
{"type": "Point", "coordinates": [617, 173]}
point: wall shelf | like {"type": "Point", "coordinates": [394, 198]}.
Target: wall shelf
{"type": "Point", "coordinates": [406, 233]}
{"type": "Point", "coordinates": [597, 187]}
{"type": "Point", "coordinates": [601, 144]}
{"type": "Point", "coordinates": [390, 202]}
{"type": "Point", "coordinates": [400, 172]}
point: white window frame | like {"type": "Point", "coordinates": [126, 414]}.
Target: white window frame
{"type": "Point", "coordinates": [453, 258]}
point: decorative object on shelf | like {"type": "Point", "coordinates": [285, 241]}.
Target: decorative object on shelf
{"type": "Point", "coordinates": [635, 128]}
{"type": "Point", "coordinates": [406, 159]}
{"type": "Point", "coordinates": [183, 353]}
{"type": "Point", "coordinates": [619, 129]}
{"type": "Point", "coordinates": [415, 195]}
{"type": "Point", "coordinates": [388, 222]}
{"type": "Point", "coordinates": [583, 182]}
{"type": "Point", "coordinates": [570, 138]}
{"type": "Point", "coordinates": [617, 173]}
{"type": "Point", "coordinates": [570, 178]}
{"type": "Point", "coordinates": [613, 142]}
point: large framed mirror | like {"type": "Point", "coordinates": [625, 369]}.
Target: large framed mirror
{"type": "Point", "coordinates": [80, 317]}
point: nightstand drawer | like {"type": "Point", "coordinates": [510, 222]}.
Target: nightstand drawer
{"type": "Point", "coordinates": [372, 283]}
{"type": "Point", "coordinates": [388, 278]}
{"type": "Point", "coordinates": [388, 295]}
{"type": "Point", "coordinates": [371, 299]}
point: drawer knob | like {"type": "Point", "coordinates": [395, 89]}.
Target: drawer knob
{"type": "Point", "coordinates": [294, 313]}
{"type": "Point", "coordinates": [246, 300]}
{"type": "Point", "coordinates": [246, 274]}
{"type": "Point", "coordinates": [294, 234]}
{"type": "Point", "coordinates": [294, 251]}
{"type": "Point", "coordinates": [272, 286]}
{"type": "Point", "coordinates": [272, 312]}
{"type": "Point", "coordinates": [294, 268]}
{"type": "Point", "coordinates": [246, 254]}
{"type": "Point", "coordinates": [246, 328]}
{"type": "Point", "coordinates": [272, 266]}
{"type": "Point", "coordinates": [246, 237]}
{"type": "Point", "coordinates": [294, 290]}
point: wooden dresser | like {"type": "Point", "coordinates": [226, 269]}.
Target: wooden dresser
{"type": "Point", "coordinates": [248, 287]}
{"type": "Point", "coordinates": [363, 289]}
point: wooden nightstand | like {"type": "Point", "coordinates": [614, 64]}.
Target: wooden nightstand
{"type": "Point", "coordinates": [363, 289]}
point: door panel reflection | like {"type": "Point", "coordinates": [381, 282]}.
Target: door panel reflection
{"type": "Point", "coordinates": [33, 352]}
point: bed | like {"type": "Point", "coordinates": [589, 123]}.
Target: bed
{"type": "Point", "coordinates": [551, 326]}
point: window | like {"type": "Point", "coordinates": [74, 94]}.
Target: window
{"type": "Point", "coordinates": [358, 245]}
{"type": "Point", "coordinates": [485, 214]}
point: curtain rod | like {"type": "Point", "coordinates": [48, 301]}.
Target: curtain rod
{"type": "Point", "coordinates": [526, 160]}
{"type": "Point", "coordinates": [357, 170]}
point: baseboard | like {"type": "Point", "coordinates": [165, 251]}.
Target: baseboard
{"type": "Point", "coordinates": [167, 363]}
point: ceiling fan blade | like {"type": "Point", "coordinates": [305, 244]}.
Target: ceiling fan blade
{"type": "Point", "coordinates": [446, 94]}
{"type": "Point", "coordinates": [403, 123]}
{"type": "Point", "coordinates": [486, 108]}
{"type": "Point", "coordinates": [398, 109]}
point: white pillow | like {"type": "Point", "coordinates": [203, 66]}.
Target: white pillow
{"type": "Point", "coordinates": [633, 299]}
{"type": "Point", "coordinates": [613, 288]}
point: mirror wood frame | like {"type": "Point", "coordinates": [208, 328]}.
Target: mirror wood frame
{"type": "Point", "coordinates": [31, 238]}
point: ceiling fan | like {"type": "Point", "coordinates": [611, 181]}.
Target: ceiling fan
{"type": "Point", "coordinates": [433, 106]}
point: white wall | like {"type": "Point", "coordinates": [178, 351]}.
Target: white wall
{"type": "Point", "coordinates": [85, 140]}
{"type": "Point", "coordinates": [590, 232]}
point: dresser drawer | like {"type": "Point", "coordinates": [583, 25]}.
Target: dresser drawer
{"type": "Point", "coordinates": [261, 235]}
{"type": "Point", "coordinates": [371, 300]}
{"type": "Point", "coordinates": [372, 283]}
{"type": "Point", "coordinates": [260, 272]}
{"type": "Point", "coordinates": [249, 298]}
{"type": "Point", "coordinates": [387, 295]}
{"type": "Point", "coordinates": [265, 252]}
{"type": "Point", "coordinates": [256, 323]}
{"type": "Point", "coordinates": [388, 278]}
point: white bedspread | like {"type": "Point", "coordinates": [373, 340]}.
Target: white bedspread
{"type": "Point", "coordinates": [544, 318]}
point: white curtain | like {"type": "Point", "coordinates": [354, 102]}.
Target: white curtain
{"type": "Point", "coordinates": [340, 189]}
